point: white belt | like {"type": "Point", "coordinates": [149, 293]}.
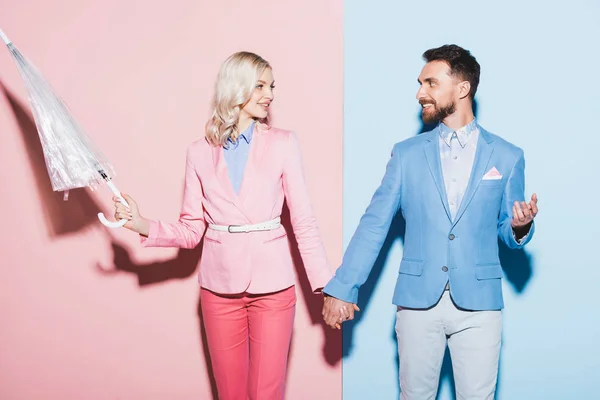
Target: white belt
{"type": "Point", "coordinates": [263, 226]}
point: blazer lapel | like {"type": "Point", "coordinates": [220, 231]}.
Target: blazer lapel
{"type": "Point", "coordinates": [482, 157]}
{"type": "Point", "coordinates": [222, 175]}
{"type": "Point", "coordinates": [432, 154]}
{"type": "Point", "coordinates": [220, 165]}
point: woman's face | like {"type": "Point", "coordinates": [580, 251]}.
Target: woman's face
{"type": "Point", "coordinates": [262, 96]}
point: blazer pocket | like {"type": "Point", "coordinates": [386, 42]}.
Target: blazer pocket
{"type": "Point", "coordinates": [276, 238]}
{"type": "Point", "coordinates": [209, 239]}
{"type": "Point", "coordinates": [491, 183]}
{"type": "Point", "coordinates": [488, 271]}
{"type": "Point", "coordinates": [411, 267]}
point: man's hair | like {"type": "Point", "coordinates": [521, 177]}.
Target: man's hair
{"type": "Point", "coordinates": [462, 64]}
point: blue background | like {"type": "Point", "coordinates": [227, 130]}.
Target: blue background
{"type": "Point", "coordinates": [539, 89]}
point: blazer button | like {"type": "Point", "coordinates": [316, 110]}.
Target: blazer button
{"type": "Point", "coordinates": [445, 269]}
{"type": "Point", "coordinates": [451, 237]}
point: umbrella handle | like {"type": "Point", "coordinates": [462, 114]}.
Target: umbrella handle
{"type": "Point", "coordinates": [102, 218]}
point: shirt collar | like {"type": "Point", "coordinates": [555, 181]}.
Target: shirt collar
{"type": "Point", "coordinates": [463, 134]}
{"type": "Point", "coordinates": [246, 135]}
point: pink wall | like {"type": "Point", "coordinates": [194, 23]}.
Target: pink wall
{"type": "Point", "coordinates": [139, 77]}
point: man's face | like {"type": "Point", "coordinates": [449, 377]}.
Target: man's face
{"type": "Point", "coordinates": [437, 92]}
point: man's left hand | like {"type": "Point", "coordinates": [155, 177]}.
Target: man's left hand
{"type": "Point", "coordinates": [524, 213]}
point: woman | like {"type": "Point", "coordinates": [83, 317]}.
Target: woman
{"type": "Point", "coordinates": [236, 180]}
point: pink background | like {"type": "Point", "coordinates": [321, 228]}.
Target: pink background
{"type": "Point", "coordinates": [86, 313]}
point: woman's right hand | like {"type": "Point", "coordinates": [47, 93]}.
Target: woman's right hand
{"type": "Point", "coordinates": [135, 222]}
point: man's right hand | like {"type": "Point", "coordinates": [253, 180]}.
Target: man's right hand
{"type": "Point", "coordinates": [336, 311]}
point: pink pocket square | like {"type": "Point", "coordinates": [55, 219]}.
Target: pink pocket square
{"type": "Point", "coordinates": [492, 174]}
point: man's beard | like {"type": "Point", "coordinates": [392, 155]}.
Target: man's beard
{"type": "Point", "coordinates": [438, 114]}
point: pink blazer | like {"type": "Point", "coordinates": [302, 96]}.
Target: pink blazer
{"type": "Point", "coordinates": [254, 262]}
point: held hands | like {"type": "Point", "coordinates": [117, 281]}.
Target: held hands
{"type": "Point", "coordinates": [524, 213]}
{"type": "Point", "coordinates": [136, 222]}
{"type": "Point", "coordinates": [336, 311]}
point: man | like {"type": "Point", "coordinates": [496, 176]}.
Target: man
{"type": "Point", "coordinates": [458, 187]}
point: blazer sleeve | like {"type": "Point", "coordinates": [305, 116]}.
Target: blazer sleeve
{"type": "Point", "coordinates": [188, 230]}
{"type": "Point", "coordinates": [303, 220]}
{"type": "Point", "coordinates": [366, 243]}
{"type": "Point", "coordinates": [513, 191]}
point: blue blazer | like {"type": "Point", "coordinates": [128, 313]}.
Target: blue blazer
{"type": "Point", "coordinates": [436, 248]}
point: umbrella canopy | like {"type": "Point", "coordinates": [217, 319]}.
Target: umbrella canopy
{"type": "Point", "coordinates": [71, 158]}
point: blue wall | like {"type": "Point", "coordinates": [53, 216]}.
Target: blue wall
{"type": "Point", "coordinates": [539, 89]}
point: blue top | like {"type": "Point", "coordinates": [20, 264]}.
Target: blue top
{"type": "Point", "coordinates": [236, 157]}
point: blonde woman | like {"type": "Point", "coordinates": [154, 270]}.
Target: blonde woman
{"type": "Point", "coordinates": [236, 180]}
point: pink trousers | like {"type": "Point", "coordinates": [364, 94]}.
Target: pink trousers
{"type": "Point", "coordinates": [249, 339]}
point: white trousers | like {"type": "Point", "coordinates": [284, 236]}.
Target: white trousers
{"type": "Point", "coordinates": [474, 339]}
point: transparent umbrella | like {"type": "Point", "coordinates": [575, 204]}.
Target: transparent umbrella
{"type": "Point", "coordinates": [71, 158]}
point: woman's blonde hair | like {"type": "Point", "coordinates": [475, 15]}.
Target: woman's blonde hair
{"type": "Point", "coordinates": [235, 83]}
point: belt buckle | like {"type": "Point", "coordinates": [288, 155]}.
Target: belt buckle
{"type": "Point", "coordinates": [236, 226]}
{"type": "Point", "coordinates": [231, 226]}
